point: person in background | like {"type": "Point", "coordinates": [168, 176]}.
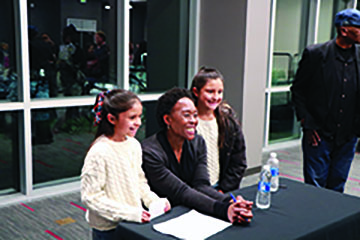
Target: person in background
{"type": "Point", "coordinates": [174, 162]}
{"type": "Point", "coordinates": [140, 53]}
{"type": "Point", "coordinates": [53, 88]}
{"type": "Point", "coordinates": [71, 59]}
{"type": "Point", "coordinates": [219, 127]}
{"type": "Point", "coordinates": [97, 62]}
{"type": "Point", "coordinates": [113, 185]}
{"type": "Point", "coordinates": [40, 54]}
{"type": "Point", "coordinates": [70, 63]}
{"type": "Point", "coordinates": [102, 53]}
{"type": "Point", "coordinates": [131, 53]}
{"type": "Point", "coordinates": [42, 85]}
{"type": "Point", "coordinates": [325, 94]}
{"type": "Point", "coordinates": [55, 49]}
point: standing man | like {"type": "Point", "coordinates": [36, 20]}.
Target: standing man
{"type": "Point", "coordinates": [325, 95]}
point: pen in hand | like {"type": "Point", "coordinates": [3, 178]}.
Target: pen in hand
{"type": "Point", "coordinates": [246, 206]}
{"type": "Point", "coordinates": [233, 197]}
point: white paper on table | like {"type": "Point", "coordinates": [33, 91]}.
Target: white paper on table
{"type": "Point", "coordinates": [192, 226]}
{"type": "Point", "coordinates": [157, 208]}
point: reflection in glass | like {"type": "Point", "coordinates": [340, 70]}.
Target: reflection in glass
{"type": "Point", "coordinates": [149, 124]}
{"type": "Point", "coordinates": [8, 75]}
{"type": "Point", "coordinates": [60, 137]}
{"type": "Point", "coordinates": [158, 44]}
{"type": "Point", "coordinates": [138, 47]}
{"type": "Point", "coordinates": [283, 72]}
{"type": "Point", "coordinates": [10, 152]}
{"type": "Point", "coordinates": [72, 47]}
{"type": "Point", "coordinates": [283, 124]}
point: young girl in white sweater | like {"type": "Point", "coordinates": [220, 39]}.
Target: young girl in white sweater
{"type": "Point", "coordinates": [113, 185]}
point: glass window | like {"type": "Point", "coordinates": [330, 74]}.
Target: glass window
{"type": "Point", "coordinates": [72, 47]}
{"type": "Point", "coordinates": [149, 125]}
{"type": "Point", "coordinates": [283, 124]}
{"type": "Point", "coordinates": [10, 152]}
{"type": "Point", "coordinates": [326, 23]}
{"type": "Point", "coordinates": [283, 72]}
{"type": "Point", "coordinates": [157, 45]}
{"type": "Point", "coordinates": [290, 17]}
{"type": "Point", "coordinates": [328, 9]}
{"type": "Point", "coordinates": [60, 138]}
{"type": "Point", "coordinates": [138, 46]}
{"type": "Point", "coordinates": [9, 80]}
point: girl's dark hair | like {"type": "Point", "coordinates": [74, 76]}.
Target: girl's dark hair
{"type": "Point", "coordinates": [167, 101]}
{"type": "Point", "coordinates": [114, 102]}
{"type": "Point", "coordinates": [223, 113]}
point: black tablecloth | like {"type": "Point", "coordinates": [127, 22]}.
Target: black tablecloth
{"type": "Point", "coordinates": [298, 211]}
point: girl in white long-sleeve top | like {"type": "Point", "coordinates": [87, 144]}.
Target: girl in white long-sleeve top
{"type": "Point", "coordinates": [113, 185]}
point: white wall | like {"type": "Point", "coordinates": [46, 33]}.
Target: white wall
{"type": "Point", "coordinates": [222, 44]}
{"type": "Point", "coordinates": [255, 75]}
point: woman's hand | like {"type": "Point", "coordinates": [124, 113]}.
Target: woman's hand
{"type": "Point", "coordinates": [167, 206]}
{"type": "Point", "coordinates": [244, 203]}
{"type": "Point", "coordinates": [145, 216]}
{"type": "Point", "coordinates": [240, 211]}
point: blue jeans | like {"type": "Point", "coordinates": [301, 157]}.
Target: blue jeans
{"type": "Point", "coordinates": [103, 235]}
{"type": "Point", "coordinates": [327, 165]}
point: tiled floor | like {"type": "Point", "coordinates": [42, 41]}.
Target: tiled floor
{"type": "Point", "coordinates": [62, 217]}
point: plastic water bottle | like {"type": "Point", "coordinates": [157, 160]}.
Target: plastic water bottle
{"type": "Point", "coordinates": [263, 195]}
{"type": "Point", "coordinates": [274, 168]}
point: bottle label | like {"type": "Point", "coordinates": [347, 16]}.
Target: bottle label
{"type": "Point", "coordinates": [274, 171]}
{"type": "Point", "coordinates": [264, 186]}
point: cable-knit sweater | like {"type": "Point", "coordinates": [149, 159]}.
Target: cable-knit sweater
{"type": "Point", "coordinates": [113, 185]}
{"type": "Point", "coordinates": [210, 132]}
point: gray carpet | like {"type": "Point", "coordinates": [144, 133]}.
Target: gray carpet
{"type": "Point", "coordinates": [37, 219]}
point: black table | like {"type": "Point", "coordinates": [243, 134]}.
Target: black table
{"type": "Point", "coordinates": [298, 211]}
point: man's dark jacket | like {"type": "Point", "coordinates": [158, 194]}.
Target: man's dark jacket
{"type": "Point", "coordinates": [310, 93]}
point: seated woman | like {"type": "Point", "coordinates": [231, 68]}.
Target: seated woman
{"type": "Point", "coordinates": [222, 132]}
{"type": "Point", "coordinates": [174, 162]}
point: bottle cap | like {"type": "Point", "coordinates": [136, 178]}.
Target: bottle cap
{"type": "Point", "coordinates": [266, 167]}
{"type": "Point", "coordinates": [273, 154]}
